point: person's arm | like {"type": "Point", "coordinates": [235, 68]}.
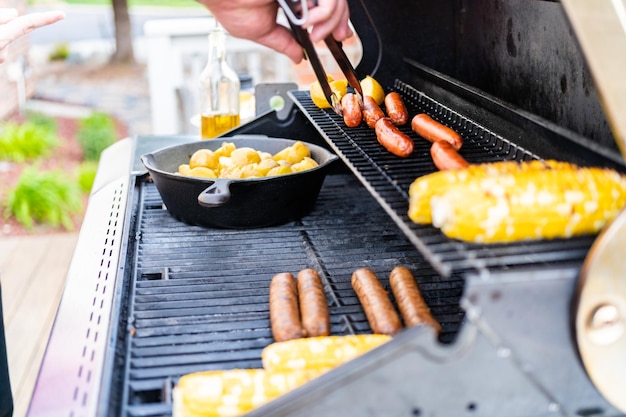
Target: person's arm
{"type": "Point", "coordinates": [13, 26]}
{"type": "Point", "coordinates": [255, 20]}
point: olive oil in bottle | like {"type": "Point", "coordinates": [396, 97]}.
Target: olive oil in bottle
{"type": "Point", "coordinates": [215, 125]}
{"type": "Point", "coordinates": [219, 89]}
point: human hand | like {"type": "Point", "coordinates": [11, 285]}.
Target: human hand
{"type": "Point", "coordinates": [13, 26]}
{"type": "Point", "coordinates": [255, 20]}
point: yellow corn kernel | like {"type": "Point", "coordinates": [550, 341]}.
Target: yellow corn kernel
{"type": "Point", "coordinates": [424, 188]}
{"type": "Point", "coordinates": [558, 201]}
{"type": "Point", "coordinates": [232, 392]}
{"type": "Point", "coordinates": [318, 353]}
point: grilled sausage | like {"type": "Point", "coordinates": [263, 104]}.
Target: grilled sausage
{"type": "Point", "coordinates": [446, 157]}
{"type": "Point", "coordinates": [413, 308]}
{"type": "Point", "coordinates": [313, 306]}
{"type": "Point", "coordinates": [379, 311]}
{"type": "Point", "coordinates": [433, 131]}
{"type": "Point", "coordinates": [284, 312]}
{"type": "Point", "coordinates": [351, 109]}
{"type": "Point", "coordinates": [371, 111]}
{"type": "Point", "coordinates": [393, 139]}
{"type": "Point", "coordinates": [396, 110]}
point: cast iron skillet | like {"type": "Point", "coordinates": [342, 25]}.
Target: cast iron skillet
{"type": "Point", "coordinates": [236, 203]}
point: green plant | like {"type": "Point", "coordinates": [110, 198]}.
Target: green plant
{"type": "Point", "coordinates": [43, 121]}
{"type": "Point", "coordinates": [29, 140]}
{"type": "Point", "coordinates": [43, 197]}
{"type": "Point", "coordinates": [60, 52]}
{"type": "Point", "coordinates": [85, 175]}
{"type": "Point", "coordinates": [95, 133]}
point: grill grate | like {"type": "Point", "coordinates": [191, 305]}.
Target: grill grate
{"type": "Point", "coordinates": [388, 178]}
{"type": "Point", "coordinates": [199, 296]}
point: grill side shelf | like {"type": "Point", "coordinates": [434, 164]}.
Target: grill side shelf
{"type": "Point", "coordinates": [388, 179]}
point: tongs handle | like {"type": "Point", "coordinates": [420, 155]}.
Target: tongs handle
{"type": "Point", "coordinates": [344, 63]}
{"type": "Point", "coordinates": [297, 12]}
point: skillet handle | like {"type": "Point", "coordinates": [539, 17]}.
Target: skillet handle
{"type": "Point", "coordinates": [215, 195]}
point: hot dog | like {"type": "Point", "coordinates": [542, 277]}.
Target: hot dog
{"type": "Point", "coordinates": [351, 109]}
{"type": "Point", "coordinates": [313, 306]}
{"type": "Point", "coordinates": [393, 139]}
{"type": "Point", "coordinates": [396, 110]}
{"type": "Point", "coordinates": [413, 308]}
{"type": "Point", "coordinates": [433, 131]}
{"type": "Point", "coordinates": [446, 157]}
{"type": "Point", "coordinates": [379, 311]}
{"type": "Point", "coordinates": [371, 111]}
{"type": "Point", "coordinates": [284, 313]}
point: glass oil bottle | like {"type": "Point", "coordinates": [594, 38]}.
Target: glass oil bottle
{"type": "Point", "coordinates": [219, 89]}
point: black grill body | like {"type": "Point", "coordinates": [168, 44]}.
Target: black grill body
{"type": "Point", "coordinates": [198, 297]}
{"type": "Point", "coordinates": [165, 298]}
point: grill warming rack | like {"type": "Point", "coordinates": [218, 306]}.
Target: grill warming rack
{"type": "Point", "coordinates": [388, 178]}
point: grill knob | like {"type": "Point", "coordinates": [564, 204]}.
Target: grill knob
{"type": "Point", "coordinates": [600, 313]}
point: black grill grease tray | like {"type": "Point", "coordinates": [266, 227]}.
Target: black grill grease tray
{"type": "Point", "coordinates": [388, 178]}
{"type": "Point", "coordinates": [199, 296]}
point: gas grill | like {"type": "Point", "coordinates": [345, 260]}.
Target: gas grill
{"type": "Point", "coordinates": [149, 298]}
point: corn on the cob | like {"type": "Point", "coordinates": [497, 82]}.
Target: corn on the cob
{"type": "Point", "coordinates": [232, 392]}
{"type": "Point", "coordinates": [318, 353]}
{"type": "Point", "coordinates": [287, 365]}
{"type": "Point", "coordinates": [534, 200]}
{"type": "Point", "coordinates": [424, 188]}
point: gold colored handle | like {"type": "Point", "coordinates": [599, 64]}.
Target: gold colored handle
{"type": "Point", "coordinates": [600, 28]}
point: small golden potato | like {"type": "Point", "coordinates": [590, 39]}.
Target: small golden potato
{"type": "Point", "coordinates": [202, 172]}
{"type": "Point", "coordinates": [203, 158]}
{"type": "Point", "coordinates": [244, 156]}
{"type": "Point", "coordinates": [294, 153]}
{"type": "Point", "coordinates": [228, 161]}
{"type": "Point", "coordinates": [306, 163]}
{"type": "Point", "coordinates": [280, 170]}
{"type": "Point", "coordinates": [231, 172]}
{"type": "Point", "coordinates": [226, 149]}
{"type": "Point", "coordinates": [184, 169]}
{"type": "Point", "coordinates": [301, 150]}
{"type": "Point", "coordinates": [250, 171]}
{"type": "Point", "coordinates": [264, 166]}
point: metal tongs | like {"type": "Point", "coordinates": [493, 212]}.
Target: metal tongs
{"type": "Point", "coordinates": [297, 13]}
